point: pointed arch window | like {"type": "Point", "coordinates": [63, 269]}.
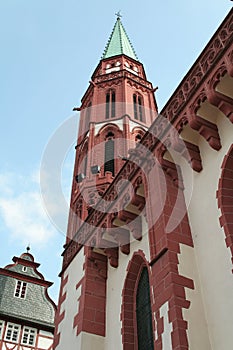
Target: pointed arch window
{"type": "Point", "coordinates": [143, 313]}
{"type": "Point", "coordinates": [109, 154]}
{"type": "Point", "coordinates": [110, 104]}
{"type": "Point", "coordinates": [138, 107]}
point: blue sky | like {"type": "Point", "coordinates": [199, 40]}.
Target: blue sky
{"type": "Point", "coordinates": [49, 50]}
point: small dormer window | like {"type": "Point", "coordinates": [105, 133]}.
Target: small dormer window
{"type": "Point", "coordinates": [29, 336]}
{"type": "Point", "coordinates": [24, 268]}
{"type": "Point", "coordinates": [12, 332]}
{"type": "Point", "coordinates": [20, 289]}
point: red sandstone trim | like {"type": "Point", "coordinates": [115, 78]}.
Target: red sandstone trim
{"type": "Point", "coordinates": [225, 198]}
{"type": "Point", "coordinates": [60, 316]}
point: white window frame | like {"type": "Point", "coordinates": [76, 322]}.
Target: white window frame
{"type": "Point", "coordinates": [21, 286]}
{"type": "Point", "coordinates": [29, 336]}
{"type": "Point", "coordinates": [2, 323]}
{"type": "Point", "coordinates": [24, 268]}
{"type": "Point", "coordinates": [12, 332]}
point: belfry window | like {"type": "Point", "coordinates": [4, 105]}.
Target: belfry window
{"type": "Point", "coordinates": [110, 104]}
{"type": "Point", "coordinates": [109, 154]}
{"type": "Point", "coordinates": [20, 289]}
{"type": "Point", "coordinates": [143, 313]}
{"type": "Point", "coordinates": [138, 107]}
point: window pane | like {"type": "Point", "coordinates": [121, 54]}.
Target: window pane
{"type": "Point", "coordinates": [140, 108]}
{"type": "Point", "coordinates": [107, 105]}
{"type": "Point", "coordinates": [113, 104]}
{"type": "Point", "coordinates": [12, 332]}
{"type": "Point", "coordinates": [29, 336]}
{"type": "Point", "coordinates": [135, 107]}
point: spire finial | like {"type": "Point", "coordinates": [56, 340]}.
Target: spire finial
{"type": "Point", "coordinates": [118, 14]}
{"type": "Point", "coordinates": [28, 248]}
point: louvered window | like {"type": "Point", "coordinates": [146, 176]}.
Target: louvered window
{"type": "Point", "coordinates": [12, 332]}
{"type": "Point", "coordinates": [143, 312]}
{"type": "Point", "coordinates": [110, 104]}
{"type": "Point", "coordinates": [109, 156]}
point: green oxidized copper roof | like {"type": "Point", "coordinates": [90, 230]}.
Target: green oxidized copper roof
{"type": "Point", "coordinates": [119, 43]}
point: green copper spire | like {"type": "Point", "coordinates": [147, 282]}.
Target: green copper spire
{"type": "Point", "coordinates": [119, 43]}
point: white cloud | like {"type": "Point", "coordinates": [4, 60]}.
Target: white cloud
{"type": "Point", "coordinates": [22, 211]}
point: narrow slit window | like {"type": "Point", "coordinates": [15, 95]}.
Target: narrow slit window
{"type": "Point", "coordinates": [110, 104]}
{"type": "Point", "coordinates": [113, 104]}
{"type": "Point", "coordinates": [138, 107]}
{"type": "Point", "coordinates": [135, 107]}
{"type": "Point", "coordinates": [107, 105]}
{"type": "Point", "coordinates": [109, 156]}
{"type": "Point", "coordinates": [88, 116]}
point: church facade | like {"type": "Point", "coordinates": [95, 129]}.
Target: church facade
{"type": "Point", "coordinates": [148, 257]}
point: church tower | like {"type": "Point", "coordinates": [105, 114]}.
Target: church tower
{"type": "Point", "coordinates": [148, 258]}
{"type": "Point", "coordinates": [116, 110]}
{"type": "Point", "coordinates": [115, 113]}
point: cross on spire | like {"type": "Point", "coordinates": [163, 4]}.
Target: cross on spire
{"type": "Point", "coordinates": [118, 14]}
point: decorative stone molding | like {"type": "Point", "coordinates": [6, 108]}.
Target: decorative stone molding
{"type": "Point", "coordinates": [225, 198]}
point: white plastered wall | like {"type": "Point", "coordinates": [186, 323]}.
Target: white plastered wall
{"type": "Point", "coordinates": [212, 274]}
{"type": "Point", "coordinates": [115, 284]}
{"type": "Point", "coordinates": [68, 337]}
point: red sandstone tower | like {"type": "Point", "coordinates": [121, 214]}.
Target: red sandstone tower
{"type": "Point", "coordinates": [116, 110]}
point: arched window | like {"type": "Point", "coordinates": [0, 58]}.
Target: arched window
{"type": "Point", "coordinates": [138, 107]}
{"type": "Point", "coordinates": [110, 104]}
{"type": "Point", "coordinates": [138, 137]}
{"type": "Point", "coordinates": [143, 313]}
